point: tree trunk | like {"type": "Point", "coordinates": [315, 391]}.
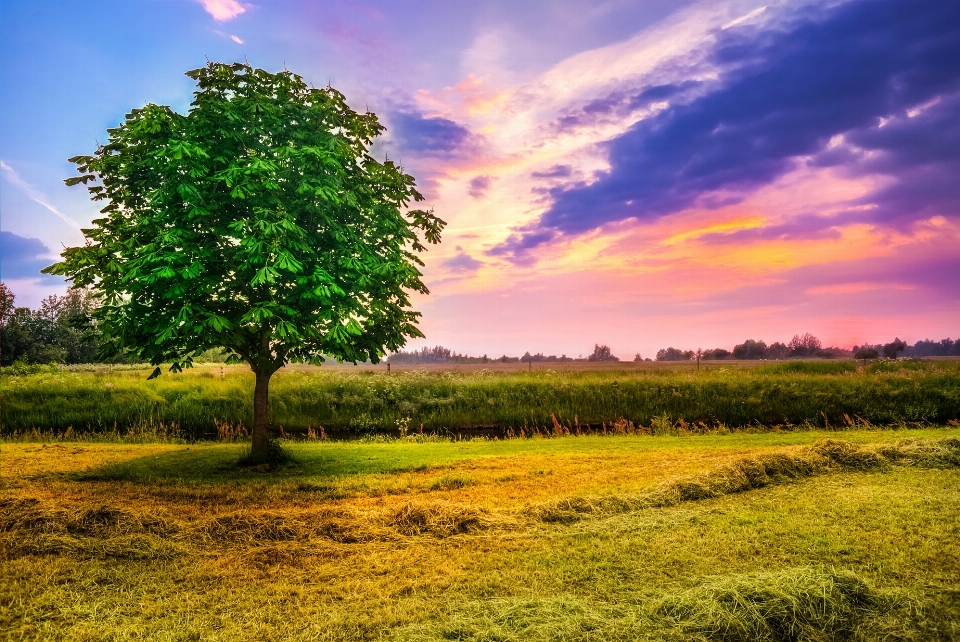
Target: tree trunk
{"type": "Point", "coordinates": [260, 450]}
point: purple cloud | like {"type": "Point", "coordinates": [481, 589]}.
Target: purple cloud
{"type": "Point", "coordinates": [23, 258]}
{"type": "Point", "coordinates": [783, 93]}
{"type": "Point", "coordinates": [428, 136]}
{"type": "Point", "coordinates": [462, 262]}
{"type": "Point", "coordinates": [479, 186]}
{"type": "Point", "coordinates": [557, 171]}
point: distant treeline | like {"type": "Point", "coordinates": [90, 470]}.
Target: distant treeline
{"type": "Point", "coordinates": [439, 354]}
{"type": "Point", "coordinates": [64, 330]}
{"type": "Point", "coordinates": [61, 330]}
{"type": "Point", "coordinates": [799, 346]}
{"type": "Point", "coordinates": [806, 345]}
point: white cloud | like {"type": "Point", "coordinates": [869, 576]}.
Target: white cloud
{"type": "Point", "coordinates": [34, 194]}
{"type": "Point", "coordinates": [236, 39]}
{"type": "Point", "coordinates": [223, 10]}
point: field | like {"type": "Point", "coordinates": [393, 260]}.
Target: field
{"type": "Point", "coordinates": [211, 402]}
{"type": "Point", "coordinates": [798, 501]}
{"type": "Point", "coordinates": [768, 536]}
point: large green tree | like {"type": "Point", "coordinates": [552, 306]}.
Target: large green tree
{"type": "Point", "coordinates": [259, 223]}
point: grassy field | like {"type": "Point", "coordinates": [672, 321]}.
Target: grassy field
{"type": "Point", "coordinates": [785, 535]}
{"type": "Point", "coordinates": [209, 402]}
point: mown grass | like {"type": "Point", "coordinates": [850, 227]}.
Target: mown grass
{"type": "Point", "coordinates": [204, 405]}
{"type": "Point", "coordinates": [773, 536]}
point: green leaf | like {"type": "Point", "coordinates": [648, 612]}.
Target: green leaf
{"type": "Point", "coordinates": [258, 218]}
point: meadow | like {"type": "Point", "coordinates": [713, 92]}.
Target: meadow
{"type": "Point", "coordinates": [215, 402]}
{"type": "Point", "coordinates": [804, 535]}
{"type": "Point", "coordinates": [800, 501]}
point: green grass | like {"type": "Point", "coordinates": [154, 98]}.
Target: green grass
{"type": "Point", "coordinates": [321, 461]}
{"type": "Point", "coordinates": [827, 394]}
{"type": "Point", "coordinates": [770, 536]}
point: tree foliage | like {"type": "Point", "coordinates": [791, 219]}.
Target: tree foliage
{"type": "Point", "coordinates": [602, 353]}
{"type": "Point", "coordinates": [750, 349]}
{"type": "Point", "coordinates": [257, 222]}
{"type": "Point", "coordinates": [674, 354]}
{"type": "Point", "coordinates": [804, 346]}
{"type": "Point", "coordinates": [61, 330]}
{"type": "Point", "coordinates": [892, 349]}
{"type": "Point", "coordinates": [866, 353]}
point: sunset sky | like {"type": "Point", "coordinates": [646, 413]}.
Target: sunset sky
{"type": "Point", "coordinates": [636, 174]}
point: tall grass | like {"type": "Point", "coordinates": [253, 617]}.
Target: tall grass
{"type": "Point", "coordinates": [201, 402]}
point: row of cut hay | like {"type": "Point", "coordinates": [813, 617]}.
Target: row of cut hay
{"type": "Point", "coordinates": [808, 603]}
{"type": "Point", "coordinates": [824, 456]}
{"type": "Point", "coordinates": [28, 526]}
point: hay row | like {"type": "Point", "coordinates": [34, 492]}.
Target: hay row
{"type": "Point", "coordinates": [28, 526]}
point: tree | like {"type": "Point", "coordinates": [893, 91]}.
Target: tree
{"type": "Point", "coordinates": [866, 353]}
{"type": "Point", "coordinates": [674, 354]}
{"type": "Point", "coordinates": [716, 354]}
{"type": "Point", "coordinates": [804, 346]}
{"type": "Point", "coordinates": [750, 349]}
{"type": "Point", "coordinates": [892, 349]}
{"type": "Point", "coordinates": [257, 223]}
{"type": "Point", "coordinates": [777, 350]}
{"type": "Point", "coordinates": [601, 353]}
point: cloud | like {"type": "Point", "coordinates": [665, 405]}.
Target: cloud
{"type": "Point", "coordinates": [236, 39]}
{"type": "Point", "coordinates": [34, 194]}
{"type": "Point", "coordinates": [803, 227]}
{"type": "Point", "coordinates": [22, 258]}
{"type": "Point", "coordinates": [223, 10]}
{"type": "Point", "coordinates": [433, 136]}
{"type": "Point", "coordinates": [462, 262]}
{"type": "Point", "coordinates": [783, 93]}
{"type": "Point", "coordinates": [479, 185]}
{"type": "Point", "coordinates": [557, 171]}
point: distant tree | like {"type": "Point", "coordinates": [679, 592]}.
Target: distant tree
{"type": "Point", "coordinates": [892, 349]}
{"type": "Point", "coordinates": [804, 346]}
{"type": "Point", "coordinates": [716, 354]}
{"type": "Point", "coordinates": [673, 354]}
{"type": "Point", "coordinates": [637, 357]}
{"type": "Point", "coordinates": [601, 353]}
{"type": "Point", "coordinates": [61, 330]}
{"type": "Point", "coordinates": [7, 299]}
{"type": "Point", "coordinates": [750, 349]}
{"type": "Point", "coordinates": [866, 353]}
{"type": "Point", "coordinates": [436, 354]}
{"type": "Point", "coordinates": [927, 348]}
{"type": "Point", "coordinates": [258, 223]}
{"type": "Point", "coordinates": [777, 350]}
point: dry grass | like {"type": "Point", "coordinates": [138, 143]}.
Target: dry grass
{"type": "Point", "coordinates": [837, 540]}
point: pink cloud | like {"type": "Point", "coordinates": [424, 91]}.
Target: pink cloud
{"type": "Point", "coordinates": [223, 10]}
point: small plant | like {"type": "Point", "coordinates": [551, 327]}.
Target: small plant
{"type": "Point", "coordinates": [363, 424]}
{"type": "Point", "coordinates": [661, 425]}
{"type": "Point", "coordinates": [452, 481]}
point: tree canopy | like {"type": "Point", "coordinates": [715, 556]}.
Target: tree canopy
{"type": "Point", "coordinates": [258, 222]}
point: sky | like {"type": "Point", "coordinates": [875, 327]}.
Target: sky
{"type": "Point", "coordinates": [620, 172]}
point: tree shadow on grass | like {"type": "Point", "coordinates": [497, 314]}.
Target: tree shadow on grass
{"type": "Point", "coordinates": [221, 464]}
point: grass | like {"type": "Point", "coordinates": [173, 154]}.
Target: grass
{"type": "Point", "coordinates": [769, 536]}
{"type": "Point", "coordinates": [216, 402]}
